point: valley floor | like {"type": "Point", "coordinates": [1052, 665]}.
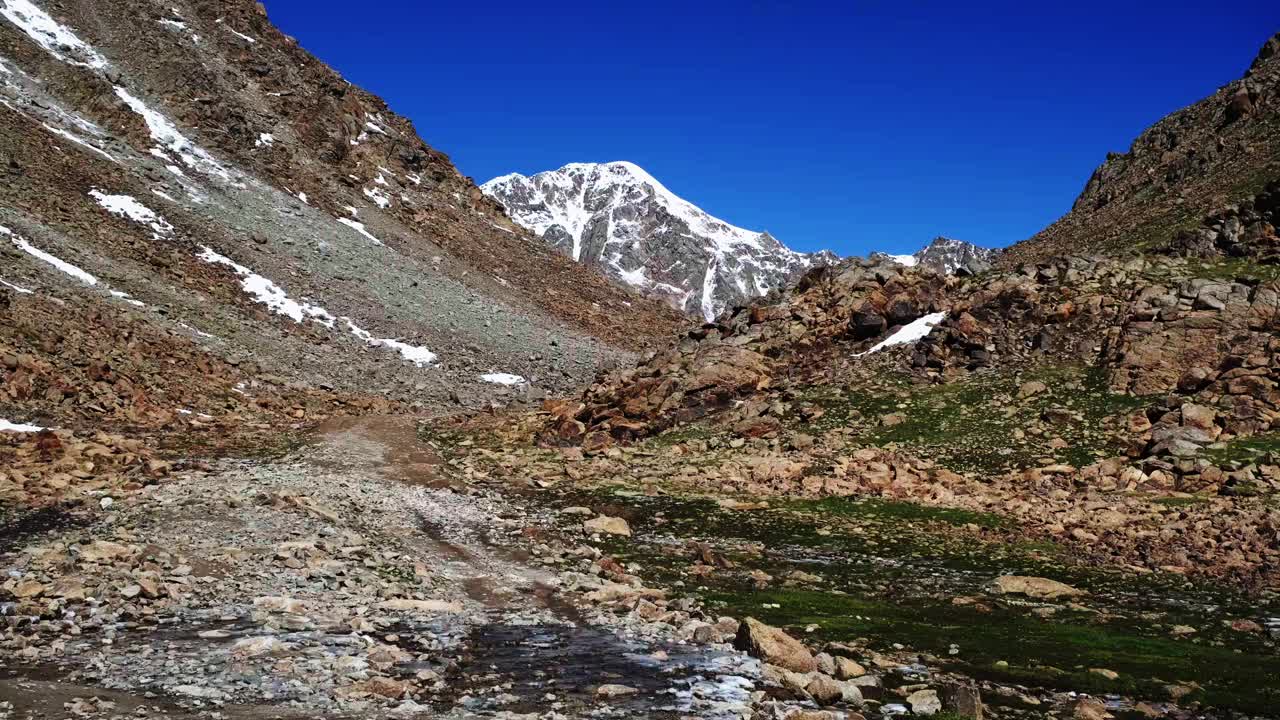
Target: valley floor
{"type": "Point", "coordinates": [404, 567]}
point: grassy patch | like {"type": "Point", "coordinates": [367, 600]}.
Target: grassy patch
{"type": "Point", "coordinates": [899, 510]}
{"type": "Point", "coordinates": [1055, 653]}
{"type": "Point", "coordinates": [1245, 450]}
{"type": "Point", "coordinates": [979, 423]}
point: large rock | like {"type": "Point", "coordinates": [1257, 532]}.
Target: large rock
{"type": "Point", "coordinates": [774, 646]}
{"type": "Point", "coordinates": [608, 525]}
{"type": "Point", "coordinates": [1037, 588]}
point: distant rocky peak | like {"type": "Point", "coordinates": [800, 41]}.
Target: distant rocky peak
{"type": "Point", "coordinates": [946, 255]}
{"type": "Point", "coordinates": [618, 218]}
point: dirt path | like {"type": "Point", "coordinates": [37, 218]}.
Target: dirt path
{"type": "Point", "coordinates": [359, 575]}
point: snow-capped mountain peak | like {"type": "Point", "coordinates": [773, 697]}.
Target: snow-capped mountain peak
{"type": "Point", "coordinates": [620, 219]}
{"type": "Point", "coordinates": [945, 255]}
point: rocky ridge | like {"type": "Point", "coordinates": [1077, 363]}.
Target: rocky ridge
{"type": "Point", "coordinates": [947, 256]}
{"type": "Point", "coordinates": [620, 220]}
{"type": "Point", "coordinates": [1183, 167]}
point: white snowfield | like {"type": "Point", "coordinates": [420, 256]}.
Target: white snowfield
{"type": "Point", "coordinates": [266, 292]}
{"type": "Point", "coordinates": [905, 260]}
{"type": "Point", "coordinates": [911, 332]}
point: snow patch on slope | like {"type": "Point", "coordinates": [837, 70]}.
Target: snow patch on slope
{"type": "Point", "coordinates": [55, 38]}
{"type": "Point", "coordinates": [278, 301]}
{"type": "Point", "coordinates": [6, 426]}
{"type": "Point", "coordinates": [164, 132]}
{"type": "Point", "coordinates": [911, 332]}
{"type": "Point", "coordinates": [127, 206]}
{"type": "Point", "coordinates": [53, 260]}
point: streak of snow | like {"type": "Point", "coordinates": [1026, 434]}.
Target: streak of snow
{"type": "Point", "coordinates": [268, 293]}
{"type": "Point", "coordinates": [909, 333]}
{"type": "Point", "coordinates": [6, 426]}
{"type": "Point", "coordinates": [905, 260]}
{"type": "Point", "coordinates": [57, 262]}
{"type": "Point", "coordinates": [265, 140]}
{"type": "Point", "coordinates": [503, 379]}
{"type": "Point", "coordinates": [359, 227]}
{"type": "Point", "coordinates": [127, 206]}
{"type": "Point", "coordinates": [303, 197]}
{"type": "Point", "coordinates": [419, 356]}
{"type": "Point", "coordinates": [166, 133]}
{"type": "Point", "coordinates": [175, 24]}
{"type": "Point", "coordinates": [64, 134]}
{"type": "Point", "coordinates": [708, 291]}
{"type": "Point", "coordinates": [15, 288]}
{"type": "Point", "coordinates": [242, 36]}
{"type": "Point", "coordinates": [127, 298]}
{"type": "Point", "coordinates": [48, 34]}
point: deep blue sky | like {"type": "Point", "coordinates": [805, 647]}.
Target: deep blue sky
{"type": "Point", "coordinates": [853, 126]}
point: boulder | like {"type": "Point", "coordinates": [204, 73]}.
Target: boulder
{"type": "Point", "coordinates": [774, 646]}
{"type": "Point", "coordinates": [1037, 588]}
{"type": "Point", "coordinates": [608, 525]}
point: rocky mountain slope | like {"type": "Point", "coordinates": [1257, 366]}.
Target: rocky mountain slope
{"type": "Point", "coordinates": [187, 176]}
{"type": "Point", "coordinates": [243, 297]}
{"type": "Point", "coordinates": [1187, 165]}
{"type": "Point", "coordinates": [946, 255]}
{"type": "Point", "coordinates": [617, 218]}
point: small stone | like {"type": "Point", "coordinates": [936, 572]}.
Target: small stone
{"type": "Point", "coordinates": [615, 691]}
{"type": "Point", "coordinates": [1108, 674]}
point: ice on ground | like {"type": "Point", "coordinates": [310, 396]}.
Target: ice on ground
{"type": "Point", "coordinates": [265, 140]}
{"type": "Point", "coordinates": [15, 288]}
{"type": "Point", "coordinates": [6, 426]}
{"type": "Point", "coordinates": [909, 333]}
{"type": "Point", "coordinates": [359, 227]}
{"type": "Point", "coordinates": [53, 260]}
{"type": "Point", "coordinates": [127, 206]}
{"type": "Point", "coordinates": [56, 39]}
{"type": "Point", "coordinates": [166, 133]}
{"type": "Point", "coordinates": [68, 136]}
{"type": "Point", "coordinates": [503, 379]}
